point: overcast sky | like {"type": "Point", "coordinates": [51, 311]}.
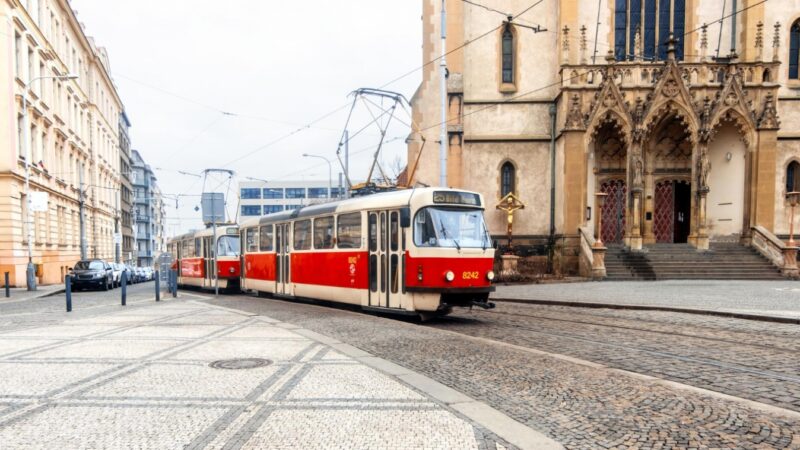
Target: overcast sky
{"type": "Point", "coordinates": [277, 65]}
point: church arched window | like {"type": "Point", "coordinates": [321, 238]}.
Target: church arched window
{"type": "Point", "coordinates": [508, 179]}
{"type": "Point", "coordinates": [508, 55]}
{"type": "Point", "coordinates": [793, 177]}
{"type": "Point", "coordinates": [653, 20]}
{"type": "Point", "coordinates": [794, 49]}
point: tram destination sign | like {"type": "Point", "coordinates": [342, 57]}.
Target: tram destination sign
{"type": "Point", "coordinates": [456, 198]}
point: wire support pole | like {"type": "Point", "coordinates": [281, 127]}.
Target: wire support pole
{"type": "Point", "coordinates": [443, 87]}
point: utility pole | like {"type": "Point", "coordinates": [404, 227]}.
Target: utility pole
{"type": "Point", "coordinates": [230, 174]}
{"type": "Point", "coordinates": [443, 132]}
{"type": "Point", "coordinates": [347, 162]}
{"type": "Point", "coordinates": [118, 244]}
{"type": "Point", "coordinates": [81, 215]}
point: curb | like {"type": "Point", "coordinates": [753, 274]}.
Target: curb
{"type": "Point", "coordinates": [703, 312]}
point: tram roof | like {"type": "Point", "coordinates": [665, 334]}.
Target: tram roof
{"type": "Point", "coordinates": [392, 199]}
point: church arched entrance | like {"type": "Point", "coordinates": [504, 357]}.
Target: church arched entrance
{"type": "Point", "coordinates": [613, 211]}
{"type": "Point", "coordinates": [672, 211]}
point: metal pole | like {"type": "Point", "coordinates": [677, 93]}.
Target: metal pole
{"type": "Point", "coordinates": [8, 288]}
{"type": "Point", "coordinates": [30, 275]}
{"type": "Point", "coordinates": [443, 87]}
{"type": "Point", "coordinates": [81, 214]}
{"type": "Point", "coordinates": [158, 287]}
{"type": "Point", "coordinates": [330, 174]}
{"type": "Point", "coordinates": [174, 284]}
{"type": "Point", "coordinates": [117, 246]}
{"type": "Point", "coordinates": [68, 291]}
{"type": "Point", "coordinates": [124, 287]}
{"type": "Point", "coordinates": [347, 162]}
{"type": "Point", "coordinates": [733, 27]}
{"type": "Point", "coordinates": [214, 246]}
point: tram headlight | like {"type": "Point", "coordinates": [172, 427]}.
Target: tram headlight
{"type": "Point", "coordinates": [490, 275]}
{"type": "Point", "coordinates": [231, 270]}
{"type": "Point", "coordinates": [449, 275]}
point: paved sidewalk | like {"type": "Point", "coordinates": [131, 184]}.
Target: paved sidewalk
{"type": "Point", "coordinates": [770, 299]}
{"type": "Point", "coordinates": [187, 375]}
{"type": "Point", "coordinates": [25, 294]}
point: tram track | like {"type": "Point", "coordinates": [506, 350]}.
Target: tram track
{"type": "Point", "coordinates": [770, 347]}
{"type": "Point", "coordinates": [654, 353]}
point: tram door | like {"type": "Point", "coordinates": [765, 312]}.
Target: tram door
{"type": "Point", "coordinates": [282, 242]}
{"type": "Point", "coordinates": [385, 259]}
{"type": "Point", "coordinates": [208, 258]}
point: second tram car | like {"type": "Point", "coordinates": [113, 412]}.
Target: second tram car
{"type": "Point", "coordinates": [415, 251]}
{"type": "Point", "coordinates": [202, 259]}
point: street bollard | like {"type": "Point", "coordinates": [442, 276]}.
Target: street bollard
{"type": "Point", "coordinates": [174, 284]}
{"type": "Point", "coordinates": [8, 288]}
{"type": "Point", "coordinates": [124, 287]}
{"type": "Point", "coordinates": [158, 287]}
{"type": "Point", "coordinates": [68, 292]}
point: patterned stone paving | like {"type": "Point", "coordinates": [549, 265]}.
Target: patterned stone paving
{"type": "Point", "coordinates": [592, 407]}
{"type": "Point", "coordinates": [141, 379]}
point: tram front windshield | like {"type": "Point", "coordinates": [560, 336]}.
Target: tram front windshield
{"type": "Point", "coordinates": [450, 227]}
{"type": "Point", "coordinates": [228, 246]}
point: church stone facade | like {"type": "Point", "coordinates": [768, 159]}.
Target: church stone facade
{"type": "Point", "coordinates": [691, 131]}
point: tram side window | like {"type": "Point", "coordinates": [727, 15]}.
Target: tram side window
{"type": "Point", "coordinates": [323, 233]}
{"type": "Point", "coordinates": [348, 231]}
{"type": "Point", "coordinates": [251, 239]}
{"type": "Point", "coordinates": [197, 247]}
{"type": "Point", "coordinates": [265, 238]}
{"type": "Point", "coordinates": [302, 235]}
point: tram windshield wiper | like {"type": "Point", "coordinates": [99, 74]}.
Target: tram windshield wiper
{"type": "Point", "coordinates": [444, 235]}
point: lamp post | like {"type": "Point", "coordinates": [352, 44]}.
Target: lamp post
{"type": "Point", "coordinates": [792, 197]}
{"type": "Point", "coordinates": [330, 170]}
{"type": "Point", "coordinates": [30, 276]}
{"type": "Point", "coordinates": [601, 200]}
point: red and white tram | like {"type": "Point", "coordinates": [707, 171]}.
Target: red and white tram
{"type": "Point", "coordinates": [198, 264]}
{"type": "Point", "coordinates": [414, 251]}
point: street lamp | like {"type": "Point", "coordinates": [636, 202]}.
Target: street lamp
{"type": "Point", "coordinates": [30, 276]}
{"type": "Point", "coordinates": [330, 171]}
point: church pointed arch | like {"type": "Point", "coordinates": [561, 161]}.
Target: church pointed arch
{"type": "Point", "coordinates": [609, 107]}
{"type": "Point", "coordinates": [670, 97]}
{"type": "Point", "coordinates": [730, 104]}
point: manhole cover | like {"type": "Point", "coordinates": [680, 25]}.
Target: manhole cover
{"type": "Point", "coordinates": [242, 363]}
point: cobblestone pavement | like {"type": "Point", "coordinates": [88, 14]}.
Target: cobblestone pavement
{"type": "Point", "coordinates": [592, 407]}
{"type": "Point", "coordinates": [142, 378]}
{"type": "Point", "coordinates": [774, 298]}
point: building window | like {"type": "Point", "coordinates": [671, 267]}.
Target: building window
{"type": "Point", "coordinates": [794, 49]}
{"type": "Point", "coordinates": [270, 209]}
{"type": "Point", "coordinates": [292, 207]}
{"type": "Point", "coordinates": [317, 193]}
{"type": "Point", "coordinates": [336, 192]}
{"type": "Point", "coordinates": [660, 18]}
{"type": "Point", "coordinates": [295, 192]}
{"type": "Point", "coordinates": [251, 210]}
{"type": "Point", "coordinates": [793, 177]}
{"type": "Point", "coordinates": [508, 55]}
{"type": "Point", "coordinates": [250, 193]}
{"type": "Point", "coordinates": [274, 193]}
{"type": "Point", "coordinates": [17, 55]}
{"type": "Point", "coordinates": [508, 175]}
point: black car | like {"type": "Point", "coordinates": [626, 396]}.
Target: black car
{"type": "Point", "coordinates": [92, 273]}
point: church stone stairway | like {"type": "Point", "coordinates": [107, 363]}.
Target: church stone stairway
{"type": "Point", "coordinates": [683, 262]}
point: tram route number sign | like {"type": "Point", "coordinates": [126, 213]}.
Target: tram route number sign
{"type": "Point", "coordinates": [456, 198]}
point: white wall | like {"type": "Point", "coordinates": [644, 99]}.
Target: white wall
{"type": "Point", "coordinates": [726, 180]}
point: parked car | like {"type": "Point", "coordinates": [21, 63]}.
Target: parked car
{"type": "Point", "coordinates": [148, 273]}
{"type": "Point", "coordinates": [117, 271]}
{"type": "Point", "coordinates": [126, 269]}
{"type": "Point", "coordinates": [92, 273]}
{"type": "Point", "coordinates": [139, 274]}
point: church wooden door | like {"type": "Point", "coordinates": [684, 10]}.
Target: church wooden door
{"type": "Point", "coordinates": [613, 211]}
